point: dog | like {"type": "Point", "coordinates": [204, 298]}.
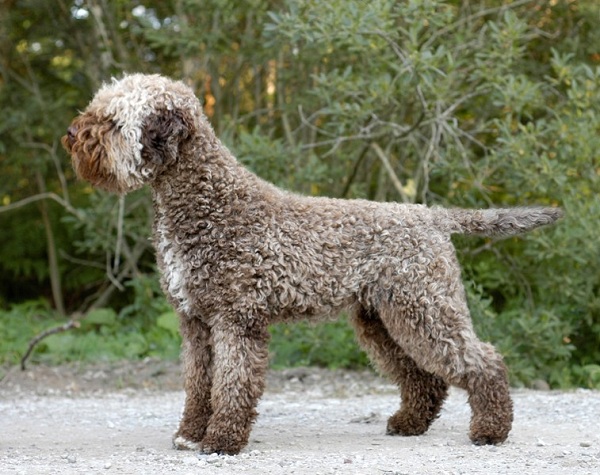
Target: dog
{"type": "Point", "coordinates": [237, 253]}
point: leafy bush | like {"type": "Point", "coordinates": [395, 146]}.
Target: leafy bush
{"type": "Point", "coordinates": [454, 103]}
{"type": "Point", "coordinates": [147, 327]}
{"type": "Point", "coordinates": [329, 344]}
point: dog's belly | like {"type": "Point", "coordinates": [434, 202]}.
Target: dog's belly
{"type": "Point", "coordinates": [310, 299]}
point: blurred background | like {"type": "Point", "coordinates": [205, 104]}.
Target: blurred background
{"type": "Point", "coordinates": [465, 103]}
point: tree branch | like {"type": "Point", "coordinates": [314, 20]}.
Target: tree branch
{"type": "Point", "coordinates": [388, 167]}
{"type": "Point", "coordinates": [73, 323]}
{"type": "Point", "coordinates": [43, 196]}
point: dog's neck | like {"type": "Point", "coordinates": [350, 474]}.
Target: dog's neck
{"type": "Point", "coordinates": [207, 182]}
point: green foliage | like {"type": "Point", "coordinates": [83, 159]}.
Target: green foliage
{"type": "Point", "coordinates": [330, 345]}
{"type": "Point", "coordinates": [146, 327]}
{"type": "Point", "coordinates": [278, 163]}
{"type": "Point", "coordinates": [469, 103]}
{"type": "Point", "coordinates": [533, 341]}
{"type": "Point", "coordinates": [19, 324]}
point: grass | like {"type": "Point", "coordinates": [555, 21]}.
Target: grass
{"type": "Point", "coordinates": [105, 336]}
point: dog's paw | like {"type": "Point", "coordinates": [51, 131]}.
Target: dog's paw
{"type": "Point", "coordinates": [221, 445]}
{"type": "Point", "coordinates": [491, 428]}
{"type": "Point", "coordinates": [405, 424]}
{"type": "Point", "coordinates": [181, 443]}
{"type": "Point", "coordinates": [487, 439]}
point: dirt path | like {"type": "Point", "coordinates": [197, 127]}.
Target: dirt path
{"type": "Point", "coordinates": [119, 420]}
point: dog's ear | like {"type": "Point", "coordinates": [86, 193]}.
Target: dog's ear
{"type": "Point", "coordinates": [162, 133]}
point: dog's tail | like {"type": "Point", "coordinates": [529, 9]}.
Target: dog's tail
{"type": "Point", "coordinates": [494, 222]}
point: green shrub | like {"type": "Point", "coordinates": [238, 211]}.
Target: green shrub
{"type": "Point", "coordinates": [471, 103]}
{"type": "Point", "coordinates": [147, 327]}
{"type": "Point", "coordinates": [330, 345]}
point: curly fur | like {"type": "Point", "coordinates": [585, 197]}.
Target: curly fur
{"type": "Point", "coordinates": [236, 253]}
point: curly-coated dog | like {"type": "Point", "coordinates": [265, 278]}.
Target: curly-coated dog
{"type": "Point", "coordinates": [236, 254]}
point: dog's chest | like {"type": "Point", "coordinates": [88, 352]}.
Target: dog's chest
{"type": "Point", "coordinates": [171, 263]}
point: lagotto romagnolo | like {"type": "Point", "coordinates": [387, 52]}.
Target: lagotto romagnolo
{"type": "Point", "coordinates": [237, 253]}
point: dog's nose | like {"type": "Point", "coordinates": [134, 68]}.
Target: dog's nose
{"type": "Point", "coordinates": [71, 134]}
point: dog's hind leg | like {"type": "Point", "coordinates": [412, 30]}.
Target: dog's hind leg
{"type": "Point", "coordinates": [239, 371]}
{"type": "Point", "coordinates": [437, 334]}
{"type": "Point", "coordinates": [422, 393]}
{"type": "Point", "coordinates": [197, 361]}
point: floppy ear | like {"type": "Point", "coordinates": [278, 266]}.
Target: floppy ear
{"type": "Point", "coordinates": [162, 134]}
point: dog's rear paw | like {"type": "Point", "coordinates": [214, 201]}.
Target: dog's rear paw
{"type": "Point", "coordinates": [490, 430]}
{"type": "Point", "coordinates": [488, 438]}
{"type": "Point", "coordinates": [222, 445]}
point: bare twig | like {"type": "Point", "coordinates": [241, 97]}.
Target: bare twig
{"type": "Point", "coordinates": [432, 150]}
{"type": "Point", "coordinates": [81, 262]}
{"type": "Point", "coordinates": [481, 13]}
{"type": "Point", "coordinates": [73, 323]}
{"type": "Point", "coordinates": [285, 122]}
{"type": "Point", "coordinates": [110, 275]}
{"type": "Point", "coordinates": [388, 167]}
{"type": "Point", "coordinates": [128, 268]}
{"type": "Point", "coordinates": [53, 267]}
{"type": "Point", "coordinates": [119, 243]}
{"type": "Point", "coordinates": [42, 196]}
{"type": "Point", "coordinates": [355, 169]}
{"type": "Point", "coordinates": [51, 150]}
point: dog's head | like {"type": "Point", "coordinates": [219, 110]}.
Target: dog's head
{"type": "Point", "coordinates": [131, 131]}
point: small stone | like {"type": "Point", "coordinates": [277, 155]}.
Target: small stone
{"type": "Point", "coordinates": [107, 465]}
{"type": "Point", "coordinates": [585, 444]}
{"type": "Point", "coordinates": [540, 385]}
{"type": "Point", "coordinates": [72, 459]}
{"type": "Point", "coordinates": [190, 460]}
{"type": "Point", "coordinates": [366, 419]}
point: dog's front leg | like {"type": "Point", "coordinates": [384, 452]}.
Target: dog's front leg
{"type": "Point", "coordinates": [197, 369]}
{"type": "Point", "coordinates": [239, 369]}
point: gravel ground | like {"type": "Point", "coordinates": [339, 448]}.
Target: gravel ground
{"type": "Point", "coordinates": [119, 420]}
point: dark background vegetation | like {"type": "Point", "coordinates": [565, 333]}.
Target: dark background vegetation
{"type": "Point", "coordinates": [471, 103]}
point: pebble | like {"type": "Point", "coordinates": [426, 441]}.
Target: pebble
{"type": "Point", "coordinates": [190, 460]}
{"type": "Point", "coordinates": [571, 442]}
{"type": "Point", "coordinates": [540, 385]}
